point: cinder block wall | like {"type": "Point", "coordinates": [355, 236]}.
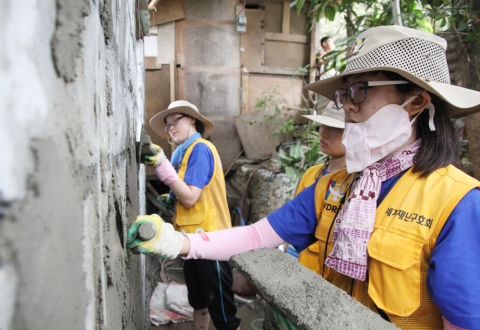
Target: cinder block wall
{"type": "Point", "coordinates": [71, 109]}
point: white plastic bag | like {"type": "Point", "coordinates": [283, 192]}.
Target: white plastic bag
{"type": "Point", "coordinates": [168, 303]}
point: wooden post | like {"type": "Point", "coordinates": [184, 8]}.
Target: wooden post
{"type": "Point", "coordinates": [172, 81]}
{"type": "Point", "coordinates": [172, 90]}
{"type": "Point", "coordinates": [245, 92]}
{"type": "Point", "coordinates": [286, 17]}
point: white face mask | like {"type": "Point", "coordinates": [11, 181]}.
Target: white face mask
{"type": "Point", "coordinates": [381, 134]}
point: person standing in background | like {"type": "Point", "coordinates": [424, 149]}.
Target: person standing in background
{"type": "Point", "coordinates": [195, 177]}
{"type": "Point", "coordinates": [332, 125]}
{"type": "Point", "coordinates": [328, 44]}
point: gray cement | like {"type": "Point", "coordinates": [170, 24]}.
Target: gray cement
{"type": "Point", "coordinates": [306, 298]}
{"type": "Point", "coordinates": [71, 110]}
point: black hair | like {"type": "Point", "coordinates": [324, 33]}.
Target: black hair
{"type": "Point", "coordinates": [199, 127]}
{"type": "Point", "coordinates": [322, 168]}
{"type": "Point", "coordinates": [324, 39]}
{"type": "Point", "coordinates": [438, 148]}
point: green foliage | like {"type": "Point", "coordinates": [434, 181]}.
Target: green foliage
{"type": "Point", "coordinates": [452, 19]}
{"type": "Point", "coordinates": [296, 157]}
{"type": "Point", "coordinates": [293, 157]}
{"type": "Point", "coordinates": [428, 15]}
{"type": "Point", "coordinates": [276, 112]}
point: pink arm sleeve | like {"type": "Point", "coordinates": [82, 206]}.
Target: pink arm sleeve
{"type": "Point", "coordinates": [222, 244]}
{"type": "Point", "coordinates": [448, 326]}
{"type": "Point", "coordinates": [166, 173]}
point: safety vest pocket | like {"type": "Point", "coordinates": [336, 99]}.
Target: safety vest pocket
{"type": "Point", "coordinates": [201, 215]}
{"type": "Point", "coordinates": [192, 215]}
{"type": "Point", "coordinates": [394, 272]}
{"type": "Point", "coordinates": [314, 247]}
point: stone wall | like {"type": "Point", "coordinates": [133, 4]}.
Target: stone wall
{"type": "Point", "coordinates": [71, 77]}
{"type": "Point", "coordinates": [266, 190]}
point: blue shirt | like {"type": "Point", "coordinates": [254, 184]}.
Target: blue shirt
{"type": "Point", "coordinates": [200, 166]}
{"type": "Point", "coordinates": [454, 273]}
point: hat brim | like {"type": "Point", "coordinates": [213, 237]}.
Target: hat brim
{"type": "Point", "coordinates": [463, 101]}
{"type": "Point", "coordinates": [157, 122]}
{"type": "Point", "coordinates": [327, 121]}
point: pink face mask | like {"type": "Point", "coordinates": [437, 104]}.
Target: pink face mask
{"type": "Point", "coordinates": [381, 134]}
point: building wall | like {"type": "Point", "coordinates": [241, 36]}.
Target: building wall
{"type": "Point", "coordinates": [71, 108]}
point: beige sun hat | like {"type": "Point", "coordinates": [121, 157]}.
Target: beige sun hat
{"type": "Point", "coordinates": [416, 55]}
{"type": "Point", "coordinates": [331, 116]}
{"type": "Point", "coordinates": [158, 124]}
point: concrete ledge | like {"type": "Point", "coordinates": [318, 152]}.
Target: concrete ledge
{"type": "Point", "coordinates": [306, 298]}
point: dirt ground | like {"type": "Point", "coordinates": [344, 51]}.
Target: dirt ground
{"type": "Point", "coordinates": [251, 314]}
{"type": "Point", "coordinates": [252, 319]}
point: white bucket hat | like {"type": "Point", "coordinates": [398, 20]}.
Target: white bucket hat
{"type": "Point", "coordinates": [416, 55]}
{"type": "Point", "coordinates": [331, 116]}
{"type": "Point", "coordinates": [158, 124]}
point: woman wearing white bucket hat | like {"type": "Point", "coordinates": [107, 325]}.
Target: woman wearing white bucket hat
{"type": "Point", "coordinates": [332, 124]}
{"type": "Point", "coordinates": [406, 240]}
{"type": "Point", "coordinates": [195, 177]}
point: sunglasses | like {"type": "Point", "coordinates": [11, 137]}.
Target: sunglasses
{"type": "Point", "coordinates": [358, 91]}
{"type": "Point", "coordinates": [173, 123]}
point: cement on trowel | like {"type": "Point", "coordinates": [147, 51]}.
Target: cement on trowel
{"type": "Point", "coordinates": [306, 298]}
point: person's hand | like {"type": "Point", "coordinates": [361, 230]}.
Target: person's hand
{"type": "Point", "coordinates": [166, 243]}
{"type": "Point", "coordinates": [155, 156]}
{"type": "Point", "coordinates": [283, 322]}
{"type": "Point", "coordinates": [166, 202]}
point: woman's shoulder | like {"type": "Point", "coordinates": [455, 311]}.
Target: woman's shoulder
{"type": "Point", "coordinates": [203, 148]}
{"type": "Point", "coordinates": [453, 173]}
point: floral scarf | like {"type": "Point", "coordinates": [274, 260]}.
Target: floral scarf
{"type": "Point", "coordinates": [355, 221]}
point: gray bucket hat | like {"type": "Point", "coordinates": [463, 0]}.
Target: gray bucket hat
{"type": "Point", "coordinates": [158, 124]}
{"type": "Point", "coordinates": [416, 55]}
{"type": "Point", "coordinates": [331, 116]}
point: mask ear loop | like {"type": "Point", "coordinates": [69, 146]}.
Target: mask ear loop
{"type": "Point", "coordinates": [431, 111]}
{"type": "Point", "coordinates": [170, 142]}
{"type": "Point", "coordinates": [431, 114]}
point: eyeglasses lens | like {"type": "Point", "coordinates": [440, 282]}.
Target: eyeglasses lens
{"type": "Point", "coordinates": [172, 123]}
{"type": "Point", "coordinates": [340, 95]}
{"type": "Point", "coordinates": [356, 91]}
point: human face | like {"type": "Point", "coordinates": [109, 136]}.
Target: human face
{"type": "Point", "coordinates": [331, 141]}
{"type": "Point", "coordinates": [183, 129]}
{"type": "Point", "coordinates": [378, 97]}
{"type": "Point", "coordinates": [328, 44]}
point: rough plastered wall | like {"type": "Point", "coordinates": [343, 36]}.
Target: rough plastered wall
{"type": "Point", "coordinates": [71, 108]}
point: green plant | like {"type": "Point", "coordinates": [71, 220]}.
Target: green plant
{"type": "Point", "coordinates": [275, 106]}
{"type": "Point", "coordinates": [296, 157]}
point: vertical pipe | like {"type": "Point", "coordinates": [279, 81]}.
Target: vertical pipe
{"type": "Point", "coordinates": [397, 19]}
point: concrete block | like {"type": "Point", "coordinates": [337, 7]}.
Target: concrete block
{"type": "Point", "coordinates": [216, 94]}
{"type": "Point", "coordinates": [306, 298]}
{"type": "Point", "coordinates": [210, 45]}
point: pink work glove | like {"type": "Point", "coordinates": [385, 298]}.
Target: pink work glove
{"type": "Point", "coordinates": [166, 173]}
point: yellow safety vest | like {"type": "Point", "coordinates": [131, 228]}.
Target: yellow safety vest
{"type": "Point", "coordinates": [406, 228]}
{"type": "Point", "coordinates": [210, 212]}
{"type": "Point", "coordinates": [309, 256]}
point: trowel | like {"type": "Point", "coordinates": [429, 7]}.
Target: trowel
{"type": "Point", "coordinates": [143, 146]}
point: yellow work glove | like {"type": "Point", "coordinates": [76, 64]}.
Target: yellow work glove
{"type": "Point", "coordinates": [283, 322]}
{"type": "Point", "coordinates": [154, 156]}
{"type": "Point", "coordinates": [166, 243]}
{"type": "Point", "coordinates": [166, 202]}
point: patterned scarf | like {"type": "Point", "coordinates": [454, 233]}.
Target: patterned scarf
{"type": "Point", "coordinates": [354, 222]}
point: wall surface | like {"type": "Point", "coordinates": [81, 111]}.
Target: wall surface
{"type": "Point", "coordinates": [71, 78]}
